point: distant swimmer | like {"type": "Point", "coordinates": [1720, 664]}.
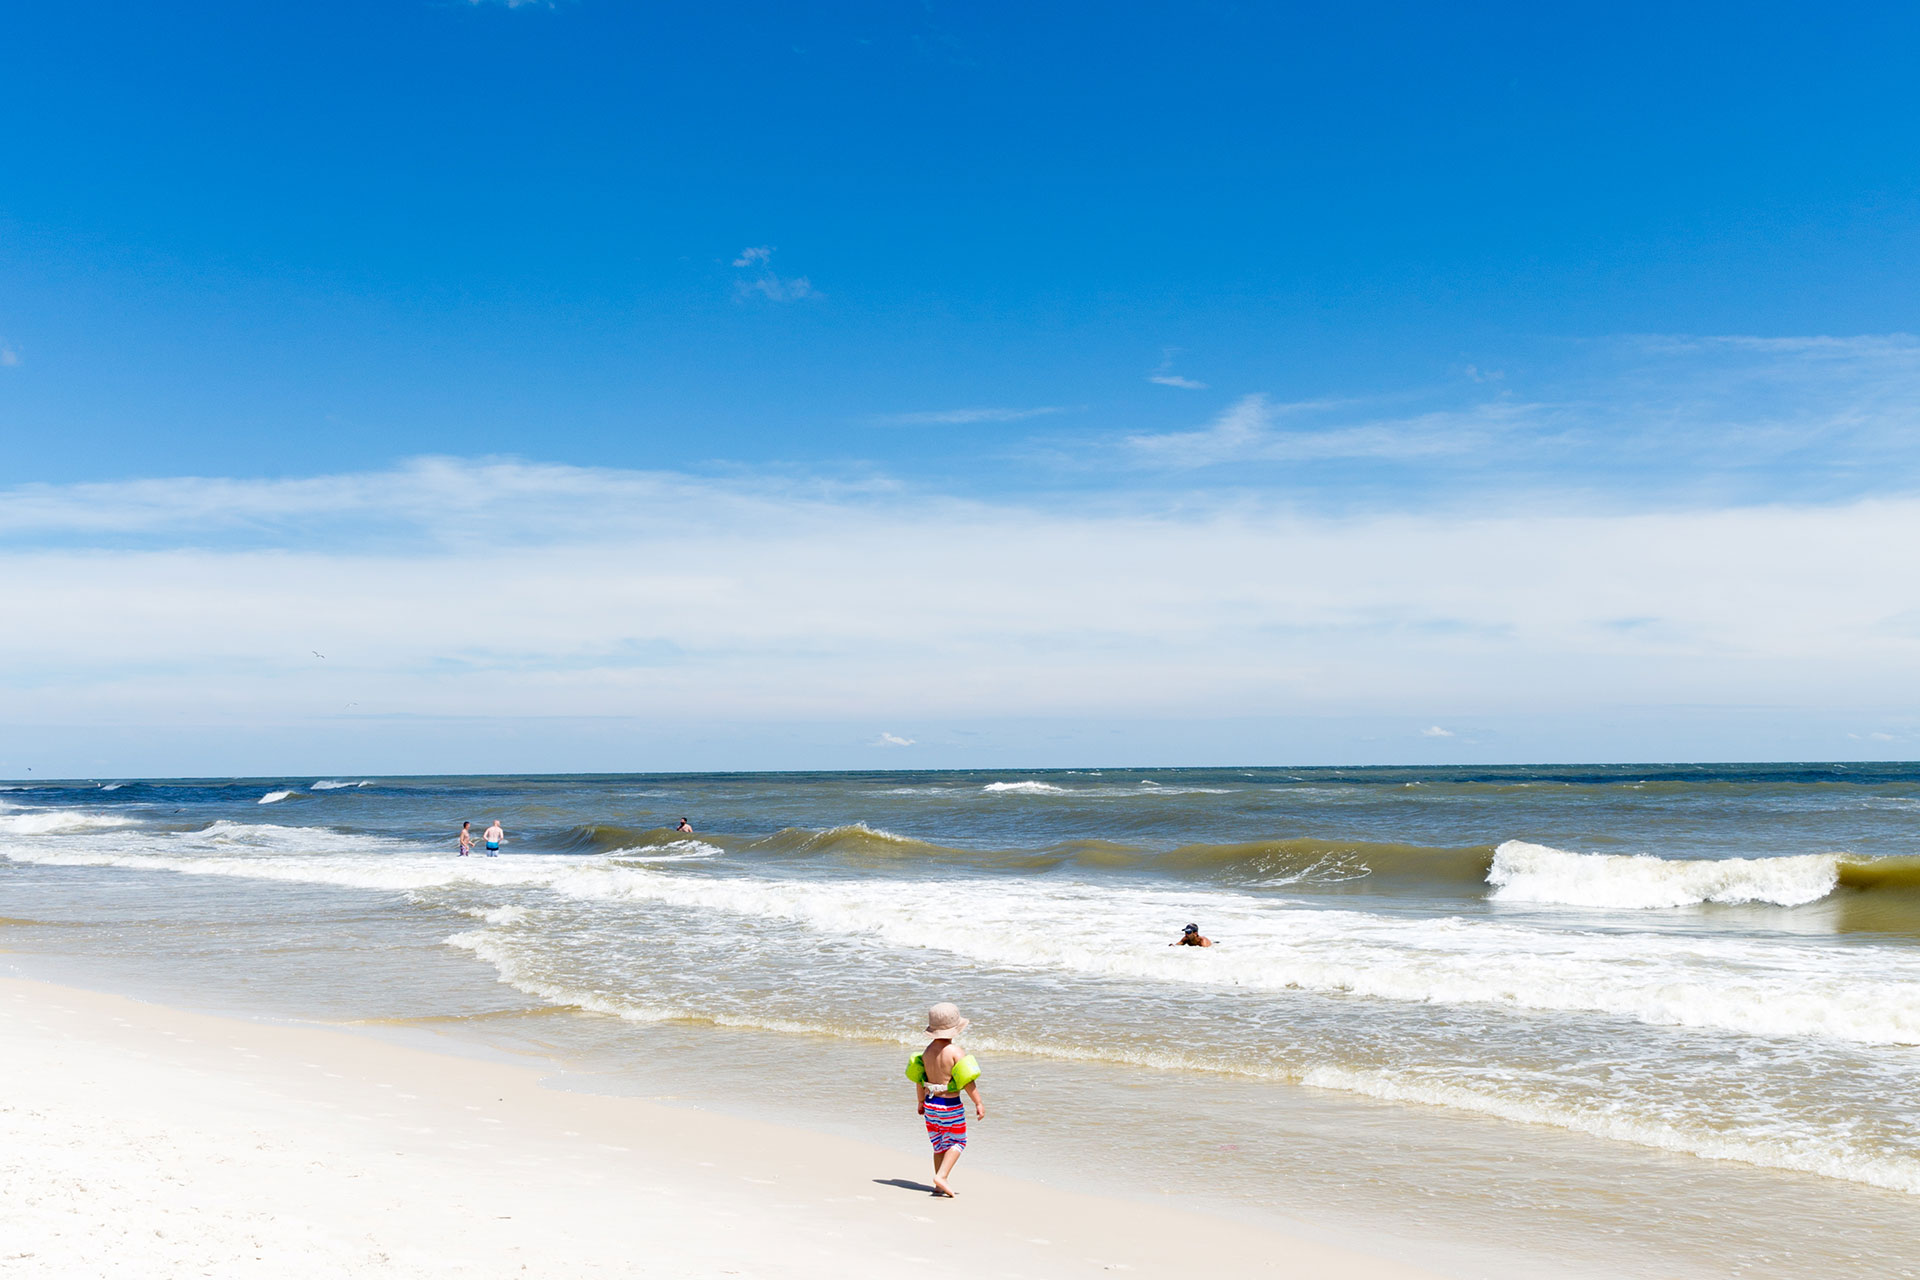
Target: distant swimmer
{"type": "Point", "coordinates": [466, 838]}
{"type": "Point", "coordinates": [1192, 937]}
{"type": "Point", "coordinates": [494, 837]}
{"type": "Point", "coordinates": [685, 826]}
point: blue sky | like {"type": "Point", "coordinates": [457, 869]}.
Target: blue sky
{"type": "Point", "coordinates": [1079, 366]}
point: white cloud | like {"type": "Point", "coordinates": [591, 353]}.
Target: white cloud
{"type": "Point", "coordinates": [1235, 431]}
{"type": "Point", "coordinates": [9, 358]}
{"type": "Point", "coordinates": [445, 587]}
{"type": "Point", "coordinates": [1760, 416]}
{"type": "Point", "coordinates": [957, 417]}
{"type": "Point", "coordinates": [767, 283]}
{"type": "Point", "coordinates": [892, 740]}
{"type": "Point", "coordinates": [1435, 731]}
{"type": "Point", "coordinates": [1163, 374]}
{"type": "Point", "coordinates": [775, 288]}
{"type": "Point", "coordinates": [1255, 429]}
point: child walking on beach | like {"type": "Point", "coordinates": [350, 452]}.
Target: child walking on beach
{"type": "Point", "coordinates": [939, 1073]}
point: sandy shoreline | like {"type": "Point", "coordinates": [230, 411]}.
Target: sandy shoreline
{"type": "Point", "coordinates": [138, 1139]}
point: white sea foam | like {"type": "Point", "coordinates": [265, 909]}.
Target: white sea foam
{"type": "Point", "coordinates": [1769, 988]}
{"type": "Point", "coordinates": [337, 786]}
{"type": "Point", "coordinates": [396, 873]}
{"type": "Point", "coordinates": [1826, 1155]}
{"type": "Point", "coordinates": [672, 851]}
{"type": "Point", "coordinates": [498, 915]}
{"type": "Point", "coordinates": [1523, 872]}
{"type": "Point", "coordinates": [112, 786]}
{"type": "Point", "coordinates": [274, 797]}
{"type": "Point", "coordinates": [273, 836]}
{"type": "Point", "coordinates": [1101, 792]}
{"type": "Point", "coordinates": [509, 963]}
{"type": "Point", "coordinates": [44, 822]}
{"type": "Point", "coordinates": [1758, 987]}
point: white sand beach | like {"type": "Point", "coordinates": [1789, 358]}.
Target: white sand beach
{"type": "Point", "coordinates": [137, 1140]}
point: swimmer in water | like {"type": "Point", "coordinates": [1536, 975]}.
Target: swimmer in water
{"type": "Point", "coordinates": [495, 837]}
{"type": "Point", "coordinates": [466, 838]}
{"type": "Point", "coordinates": [1192, 937]}
{"type": "Point", "coordinates": [685, 826]}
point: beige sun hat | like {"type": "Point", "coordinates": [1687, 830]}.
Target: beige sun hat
{"type": "Point", "coordinates": [944, 1021]}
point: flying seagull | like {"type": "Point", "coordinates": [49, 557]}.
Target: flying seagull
{"type": "Point", "coordinates": [316, 653]}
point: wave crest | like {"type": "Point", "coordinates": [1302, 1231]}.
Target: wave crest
{"type": "Point", "coordinates": [58, 822]}
{"type": "Point", "coordinates": [1524, 872]}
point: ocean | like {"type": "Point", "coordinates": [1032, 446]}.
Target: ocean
{"type": "Point", "coordinates": [1640, 1020]}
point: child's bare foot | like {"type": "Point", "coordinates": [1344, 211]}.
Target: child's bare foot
{"type": "Point", "coordinates": [940, 1187]}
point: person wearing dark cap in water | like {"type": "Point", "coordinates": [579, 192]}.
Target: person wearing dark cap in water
{"type": "Point", "coordinates": [1191, 937]}
{"type": "Point", "coordinates": [685, 826]}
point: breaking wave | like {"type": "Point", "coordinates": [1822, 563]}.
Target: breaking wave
{"type": "Point", "coordinates": [1523, 872]}
{"type": "Point", "coordinates": [51, 822]}
{"type": "Point", "coordinates": [608, 837]}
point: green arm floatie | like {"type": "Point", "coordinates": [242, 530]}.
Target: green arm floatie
{"type": "Point", "coordinates": [965, 1072]}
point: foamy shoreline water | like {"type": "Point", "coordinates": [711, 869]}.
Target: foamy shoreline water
{"type": "Point", "coordinates": [1746, 995]}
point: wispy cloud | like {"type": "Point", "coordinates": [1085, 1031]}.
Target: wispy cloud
{"type": "Point", "coordinates": [1163, 374]}
{"type": "Point", "coordinates": [9, 358]}
{"type": "Point", "coordinates": [1254, 428]}
{"type": "Point", "coordinates": [765, 281]}
{"type": "Point", "coordinates": [960, 417]}
{"type": "Point", "coordinates": [1713, 417]}
{"type": "Point", "coordinates": [1435, 731]}
{"type": "Point", "coordinates": [892, 740]}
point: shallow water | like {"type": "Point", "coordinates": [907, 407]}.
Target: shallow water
{"type": "Point", "coordinates": [1650, 1020]}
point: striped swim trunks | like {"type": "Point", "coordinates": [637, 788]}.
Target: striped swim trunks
{"type": "Point", "coordinates": [946, 1122]}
